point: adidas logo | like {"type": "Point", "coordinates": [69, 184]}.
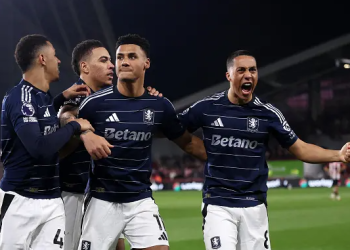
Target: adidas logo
{"type": "Point", "coordinates": [217, 123]}
{"type": "Point", "coordinates": [163, 237]}
{"type": "Point", "coordinates": [47, 113]}
{"type": "Point", "coordinates": [113, 118]}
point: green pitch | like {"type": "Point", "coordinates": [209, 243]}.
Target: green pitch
{"type": "Point", "coordinates": [300, 219]}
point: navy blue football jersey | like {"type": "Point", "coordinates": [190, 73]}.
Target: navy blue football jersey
{"type": "Point", "coordinates": [128, 124]}
{"type": "Point", "coordinates": [31, 177]}
{"type": "Point", "coordinates": [74, 169]}
{"type": "Point", "coordinates": [236, 138]}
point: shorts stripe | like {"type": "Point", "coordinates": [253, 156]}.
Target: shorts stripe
{"type": "Point", "coordinates": [204, 213]}
{"type": "Point", "coordinates": [4, 207]}
{"type": "Point", "coordinates": [85, 206]}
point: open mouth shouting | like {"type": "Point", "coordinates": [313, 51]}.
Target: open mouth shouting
{"type": "Point", "coordinates": [247, 88]}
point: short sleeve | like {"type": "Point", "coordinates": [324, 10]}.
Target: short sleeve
{"type": "Point", "coordinates": [21, 112]}
{"type": "Point", "coordinates": [281, 130]}
{"type": "Point", "coordinates": [191, 117]}
{"type": "Point", "coordinates": [171, 125]}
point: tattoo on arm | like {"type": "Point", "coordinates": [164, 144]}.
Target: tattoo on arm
{"type": "Point", "coordinates": [67, 113]}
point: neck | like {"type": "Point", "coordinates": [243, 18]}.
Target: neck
{"type": "Point", "coordinates": [233, 98]}
{"type": "Point", "coordinates": [38, 79]}
{"type": "Point", "coordinates": [90, 83]}
{"type": "Point", "coordinates": [131, 89]}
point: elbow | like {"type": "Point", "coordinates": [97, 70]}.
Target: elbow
{"type": "Point", "coordinates": [37, 154]}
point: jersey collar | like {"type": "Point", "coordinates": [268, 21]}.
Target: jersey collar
{"type": "Point", "coordinates": [249, 104]}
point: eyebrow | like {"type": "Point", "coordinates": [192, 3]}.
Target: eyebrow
{"type": "Point", "coordinates": [127, 53]}
{"type": "Point", "coordinates": [252, 67]}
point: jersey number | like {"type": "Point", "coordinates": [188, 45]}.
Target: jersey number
{"type": "Point", "coordinates": [56, 241]}
{"type": "Point", "coordinates": [160, 222]}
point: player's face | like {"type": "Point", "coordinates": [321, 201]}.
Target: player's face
{"type": "Point", "coordinates": [243, 77]}
{"type": "Point", "coordinates": [99, 67]}
{"type": "Point", "coordinates": [51, 62]}
{"type": "Point", "coordinates": [131, 62]}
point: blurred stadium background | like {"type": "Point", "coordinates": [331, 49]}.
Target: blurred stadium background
{"type": "Point", "coordinates": [306, 74]}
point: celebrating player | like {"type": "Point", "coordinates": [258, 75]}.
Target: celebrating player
{"type": "Point", "coordinates": [92, 63]}
{"type": "Point", "coordinates": [127, 116]}
{"type": "Point", "coordinates": [236, 125]}
{"type": "Point", "coordinates": [32, 212]}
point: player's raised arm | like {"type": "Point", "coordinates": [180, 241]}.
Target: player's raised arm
{"type": "Point", "coordinates": [305, 152]}
{"type": "Point", "coordinates": [314, 154]}
{"type": "Point", "coordinates": [69, 95]}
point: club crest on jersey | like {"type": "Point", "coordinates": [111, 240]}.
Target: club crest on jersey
{"type": "Point", "coordinates": [85, 245]}
{"type": "Point", "coordinates": [148, 116]}
{"type": "Point", "coordinates": [252, 124]}
{"type": "Point", "coordinates": [27, 109]}
{"type": "Point", "coordinates": [215, 242]}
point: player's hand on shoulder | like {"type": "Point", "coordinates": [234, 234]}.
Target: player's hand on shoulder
{"type": "Point", "coordinates": [76, 90]}
{"type": "Point", "coordinates": [97, 146]}
{"type": "Point", "coordinates": [345, 153]}
{"type": "Point", "coordinates": [84, 124]}
{"type": "Point", "coordinates": [154, 92]}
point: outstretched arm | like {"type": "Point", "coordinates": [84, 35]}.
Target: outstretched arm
{"type": "Point", "coordinates": [314, 154]}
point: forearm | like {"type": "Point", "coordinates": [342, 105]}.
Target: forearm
{"type": "Point", "coordinates": [67, 114]}
{"type": "Point", "coordinates": [196, 148]}
{"type": "Point", "coordinates": [58, 101]}
{"type": "Point", "coordinates": [314, 154]}
{"type": "Point", "coordinates": [45, 146]}
{"type": "Point", "coordinates": [70, 147]}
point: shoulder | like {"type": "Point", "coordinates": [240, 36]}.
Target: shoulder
{"type": "Point", "coordinates": [269, 108]}
{"type": "Point", "coordinates": [20, 98]}
{"type": "Point", "coordinates": [96, 97]}
{"type": "Point", "coordinates": [20, 94]}
{"type": "Point", "coordinates": [209, 100]}
{"type": "Point", "coordinates": [167, 104]}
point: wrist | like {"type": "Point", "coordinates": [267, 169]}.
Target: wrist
{"type": "Point", "coordinates": [84, 134]}
{"type": "Point", "coordinates": [65, 94]}
{"type": "Point", "coordinates": [340, 156]}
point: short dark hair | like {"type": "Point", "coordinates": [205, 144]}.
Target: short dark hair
{"type": "Point", "coordinates": [237, 53]}
{"type": "Point", "coordinates": [83, 50]}
{"type": "Point", "coordinates": [137, 40]}
{"type": "Point", "coordinates": [27, 48]}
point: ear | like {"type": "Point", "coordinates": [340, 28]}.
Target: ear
{"type": "Point", "coordinates": [84, 67]}
{"type": "Point", "coordinates": [42, 59]}
{"type": "Point", "coordinates": [147, 64]}
{"type": "Point", "coordinates": [228, 76]}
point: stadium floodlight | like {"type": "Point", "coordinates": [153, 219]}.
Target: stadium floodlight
{"type": "Point", "coordinates": [343, 62]}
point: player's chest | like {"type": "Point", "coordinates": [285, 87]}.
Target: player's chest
{"type": "Point", "coordinates": [128, 122]}
{"type": "Point", "coordinates": [236, 123]}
